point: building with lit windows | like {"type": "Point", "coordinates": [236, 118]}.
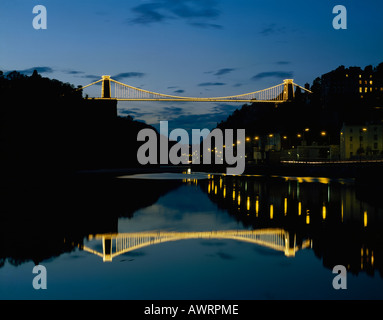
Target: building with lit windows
{"type": "Point", "coordinates": [361, 141]}
{"type": "Point", "coordinates": [353, 84]}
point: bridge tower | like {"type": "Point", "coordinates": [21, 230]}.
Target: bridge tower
{"type": "Point", "coordinates": [288, 90]}
{"type": "Point", "coordinates": [105, 88]}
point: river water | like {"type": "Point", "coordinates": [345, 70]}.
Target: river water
{"type": "Point", "coordinates": [196, 236]}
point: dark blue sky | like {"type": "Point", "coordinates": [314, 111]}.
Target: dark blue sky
{"type": "Point", "coordinates": [196, 48]}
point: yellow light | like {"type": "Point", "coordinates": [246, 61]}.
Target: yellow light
{"type": "Point", "coordinates": [247, 139]}
{"type": "Point", "coordinates": [271, 135]}
{"type": "Point", "coordinates": [364, 129]}
{"type": "Point", "coordinates": [233, 194]}
{"type": "Point", "coordinates": [365, 219]}
{"type": "Point", "coordinates": [256, 138]}
{"type": "Point", "coordinates": [285, 138]}
{"type": "Point", "coordinates": [239, 199]}
{"type": "Point", "coordinates": [299, 135]}
{"type": "Point", "coordinates": [224, 192]}
{"type": "Point", "coordinates": [307, 129]}
{"type": "Point", "coordinates": [248, 203]}
{"type": "Point", "coordinates": [215, 190]}
{"type": "Point", "coordinates": [285, 206]}
{"type": "Point", "coordinates": [324, 212]}
{"type": "Point", "coordinates": [299, 208]}
{"type": "Point", "coordinates": [256, 207]}
{"type": "Point", "coordinates": [323, 133]}
{"type": "Point", "coordinates": [239, 142]}
{"type": "Point", "coordinates": [308, 217]}
{"type": "Point", "coordinates": [208, 189]}
{"type": "Point", "coordinates": [271, 212]}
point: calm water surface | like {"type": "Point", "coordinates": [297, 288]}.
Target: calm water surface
{"type": "Point", "coordinates": [215, 238]}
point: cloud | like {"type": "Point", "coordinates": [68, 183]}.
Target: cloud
{"type": "Point", "coordinates": [91, 77]}
{"type": "Point", "coordinates": [208, 84]}
{"type": "Point", "coordinates": [179, 91]}
{"type": "Point", "coordinates": [283, 63]}
{"type": "Point", "coordinates": [73, 72]}
{"type": "Point", "coordinates": [173, 111]}
{"type": "Point", "coordinates": [165, 10]}
{"type": "Point", "coordinates": [136, 113]}
{"type": "Point", "coordinates": [223, 71]}
{"type": "Point", "coordinates": [273, 74]}
{"type": "Point", "coordinates": [125, 75]}
{"type": "Point", "coordinates": [38, 69]}
{"type": "Point", "coordinates": [205, 25]}
{"type": "Point", "coordinates": [272, 29]}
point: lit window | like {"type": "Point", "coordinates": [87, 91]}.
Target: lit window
{"type": "Point", "coordinates": [360, 76]}
{"type": "Point", "coordinates": [365, 90]}
{"type": "Point", "coordinates": [370, 89]}
{"type": "Point", "coordinates": [371, 82]}
{"type": "Point", "coordinates": [361, 90]}
{"type": "Point", "coordinates": [360, 81]}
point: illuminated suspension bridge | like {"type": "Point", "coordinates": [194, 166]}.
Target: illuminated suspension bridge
{"type": "Point", "coordinates": [112, 89]}
{"type": "Point", "coordinates": [114, 245]}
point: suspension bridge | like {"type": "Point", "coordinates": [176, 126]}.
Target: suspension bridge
{"type": "Point", "coordinates": [114, 245]}
{"type": "Point", "coordinates": [112, 89]}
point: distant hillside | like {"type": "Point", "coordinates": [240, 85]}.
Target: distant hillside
{"type": "Point", "coordinates": [341, 96]}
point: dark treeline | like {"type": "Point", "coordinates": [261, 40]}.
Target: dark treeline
{"type": "Point", "coordinates": [47, 125]}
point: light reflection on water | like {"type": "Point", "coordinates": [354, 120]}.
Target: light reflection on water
{"type": "Point", "coordinates": [217, 238]}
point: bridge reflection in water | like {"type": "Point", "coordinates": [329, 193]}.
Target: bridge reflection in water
{"type": "Point", "coordinates": [114, 245]}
